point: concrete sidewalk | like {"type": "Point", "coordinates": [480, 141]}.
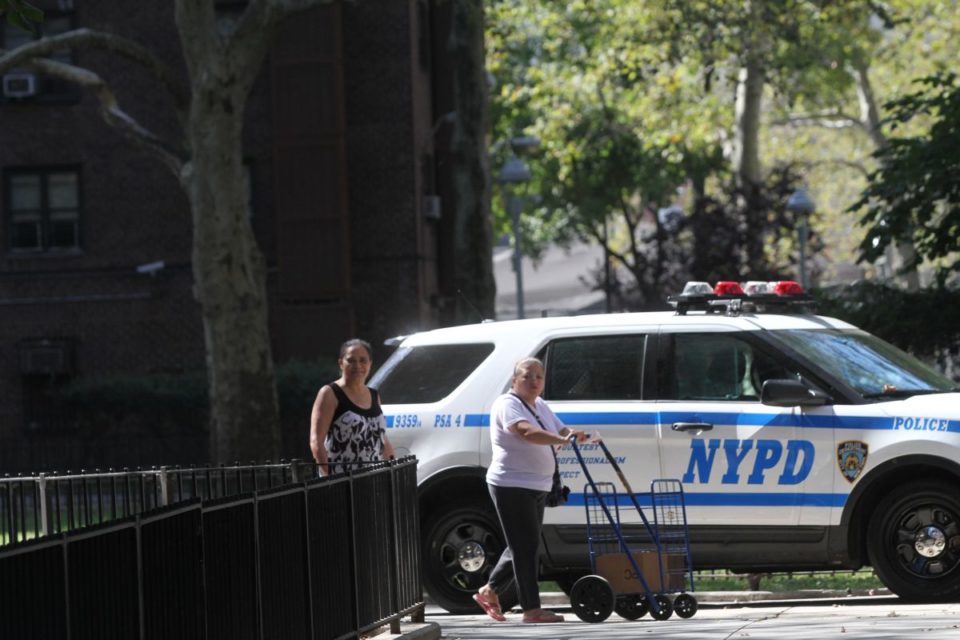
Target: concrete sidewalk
{"type": "Point", "coordinates": [429, 630]}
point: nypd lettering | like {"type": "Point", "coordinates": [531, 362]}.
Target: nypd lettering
{"type": "Point", "coordinates": [753, 460]}
{"type": "Point", "coordinates": [920, 424]}
{"type": "Point", "coordinates": [852, 458]}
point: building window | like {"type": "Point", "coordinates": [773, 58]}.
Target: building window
{"type": "Point", "coordinates": [39, 87]}
{"type": "Point", "coordinates": [46, 366]}
{"type": "Point", "coordinates": [43, 210]}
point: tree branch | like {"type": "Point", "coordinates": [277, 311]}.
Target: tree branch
{"type": "Point", "coordinates": [112, 114]}
{"type": "Point", "coordinates": [837, 120]}
{"type": "Point", "coordinates": [88, 38]}
{"type": "Point", "coordinates": [197, 26]}
{"type": "Point", "coordinates": [850, 164]}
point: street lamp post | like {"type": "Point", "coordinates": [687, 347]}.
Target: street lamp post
{"type": "Point", "coordinates": [515, 204]}
{"type": "Point", "coordinates": [513, 173]}
{"type": "Point", "coordinates": [801, 204]}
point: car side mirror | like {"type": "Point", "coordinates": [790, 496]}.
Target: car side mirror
{"type": "Point", "coordinates": [791, 393]}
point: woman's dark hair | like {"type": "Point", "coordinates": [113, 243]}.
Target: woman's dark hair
{"type": "Point", "coordinates": [356, 342]}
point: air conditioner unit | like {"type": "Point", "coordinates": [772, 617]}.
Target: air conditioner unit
{"type": "Point", "coordinates": [46, 356]}
{"type": "Point", "coordinates": [431, 207]}
{"type": "Point", "coordinates": [19, 85]}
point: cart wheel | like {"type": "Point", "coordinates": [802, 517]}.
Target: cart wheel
{"type": "Point", "coordinates": [685, 605]}
{"type": "Point", "coordinates": [631, 606]}
{"type": "Point", "coordinates": [666, 608]}
{"type": "Point", "coordinates": [592, 599]}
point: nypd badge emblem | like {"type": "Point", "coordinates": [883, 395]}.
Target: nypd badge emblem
{"type": "Point", "coordinates": [852, 457]}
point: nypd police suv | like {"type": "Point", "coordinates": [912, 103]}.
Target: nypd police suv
{"type": "Point", "coordinates": [802, 442]}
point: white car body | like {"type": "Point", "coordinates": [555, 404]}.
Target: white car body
{"type": "Point", "coordinates": [795, 486]}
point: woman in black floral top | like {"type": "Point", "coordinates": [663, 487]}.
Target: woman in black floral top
{"type": "Point", "coordinates": [347, 424]}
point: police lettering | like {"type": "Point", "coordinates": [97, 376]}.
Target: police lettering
{"type": "Point", "coordinates": [766, 456]}
{"type": "Point", "coordinates": [920, 424]}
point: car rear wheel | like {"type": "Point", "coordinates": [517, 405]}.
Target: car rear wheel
{"type": "Point", "coordinates": [913, 541]}
{"type": "Point", "coordinates": [460, 548]}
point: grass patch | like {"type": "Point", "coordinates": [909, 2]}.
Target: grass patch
{"type": "Point", "coordinates": [863, 579]}
{"type": "Point", "coordinates": [791, 581]}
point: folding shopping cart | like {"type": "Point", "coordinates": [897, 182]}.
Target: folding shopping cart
{"type": "Point", "coordinates": [634, 573]}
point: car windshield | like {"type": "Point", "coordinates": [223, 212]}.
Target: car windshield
{"type": "Point", "coordinates": [876, 369]}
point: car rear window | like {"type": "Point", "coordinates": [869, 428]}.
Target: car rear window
{"type": "Point", "coordinates": [416, 375]}
{"type": "Point", "coordinates": [596, 368]}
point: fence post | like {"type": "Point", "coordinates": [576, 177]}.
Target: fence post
{"type": "Point", "coordinates": [163, 479]}
{"type": "Point", "coordinates": [395, 533]}
{"type": "Point", "coordinates": [295, 475]}
{"type": "Point", "coordinates": [44, 521]}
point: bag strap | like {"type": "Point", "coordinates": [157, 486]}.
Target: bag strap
{"type": "Point", "coordinates": [540, 422]}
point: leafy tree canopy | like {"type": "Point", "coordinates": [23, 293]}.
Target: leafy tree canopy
{"type": "Point", "coordinates": [20, 13]}
{"type": "Point", "coordinates": [914, 195]}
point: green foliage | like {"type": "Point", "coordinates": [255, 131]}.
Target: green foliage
{"type": "Point", "coordinates": [926, 323]}
{"type": "Point", "coordinates": [745, 232]}
{"type": "Point", "coordinates": [914, 195]}
{"type": "Point", "coordinates": [21, 13]}
{"type": "Point", "coordinates": [133, 403]}
{"type": "Point", "coordinates": [177, 404]}
{"type": "Point", "coordinates": [863, 579]}
{"type": "Point", "coordinates": [652, 85]}
{"type": "Point", "coordinates": [297, 386]}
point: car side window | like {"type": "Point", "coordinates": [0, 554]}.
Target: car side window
{"type": "Point", "coordinates": [595, 368]}
{"type": "Point", "coordinates": [718, 367]}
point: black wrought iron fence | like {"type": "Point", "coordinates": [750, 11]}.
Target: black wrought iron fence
{"type": "Point", "coordinates": [298, 557]}
{"type": "Point", "coordinates": [43, 504]}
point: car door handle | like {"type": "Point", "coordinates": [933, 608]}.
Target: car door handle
{"type": "Point", "coordinates": [692, 426]}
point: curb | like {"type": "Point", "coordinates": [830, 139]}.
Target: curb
{"type": "Point", "coordinates": [413, 631]}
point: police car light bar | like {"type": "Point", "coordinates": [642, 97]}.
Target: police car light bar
{"type": "Point", "coordinates": [732, 298]}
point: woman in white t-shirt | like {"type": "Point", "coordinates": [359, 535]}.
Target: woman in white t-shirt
{"type": "Point", "coordinates": [522, 430]}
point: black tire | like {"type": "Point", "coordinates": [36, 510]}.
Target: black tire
{"type": "Point", "coordinates": [451, 580]}
{"type": "Point", "coordinates": [665, 608]}
{"type": "Point", "coordinates": [592, 599]}
{"type": "Point", "coordinates": [913, 542]}
{"type": "Point", "coordinates": [631, 606]}
{"type": "Point", "coordinates": [685, 605]}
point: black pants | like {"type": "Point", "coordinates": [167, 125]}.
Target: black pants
{"type": "Point", "coordinates": [521, 517]}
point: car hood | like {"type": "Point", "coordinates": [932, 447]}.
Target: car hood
{"type": "Point", "coordinates": [935, 405]}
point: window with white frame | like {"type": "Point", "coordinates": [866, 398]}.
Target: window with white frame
{"type": "Point", "coordinates": [42, 210]}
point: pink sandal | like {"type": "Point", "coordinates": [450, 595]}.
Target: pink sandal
{"type": "Point", "coordinates": [492, 609]}
{"type": "Point", "coordinates": [541, 615]}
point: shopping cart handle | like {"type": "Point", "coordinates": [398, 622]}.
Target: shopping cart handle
{"type": "Point", "coordinates": [699, 427]}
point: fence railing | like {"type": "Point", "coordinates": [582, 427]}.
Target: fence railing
{"type": "Point", "coordinates": [240, 552]}
{"type": "Point", "coordinates": [45, 504]}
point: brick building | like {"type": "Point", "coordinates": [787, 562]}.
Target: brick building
{"type": "Point", "coordinates": [343, 144]}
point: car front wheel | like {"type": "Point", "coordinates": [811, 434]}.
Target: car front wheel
{"type": "Point", "coordinates": [913, 542]}
{"type": "Point", "coordinates": [460, 548]}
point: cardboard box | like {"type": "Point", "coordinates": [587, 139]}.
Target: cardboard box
{"type": "Point", "coordinates": [618, 571]}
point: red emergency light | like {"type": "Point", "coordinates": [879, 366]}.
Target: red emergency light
{"type": "Point", "coordinates": [728, 288]}
{"type": "Point", "coordinates": [788, 288]}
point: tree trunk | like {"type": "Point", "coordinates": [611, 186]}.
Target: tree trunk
{"type": "Point", "coordinates": [473, 230]}
{"type": "Point", "coordinates": [746, 159]}
{"type": "Point", "coordinates": [749, 102]}
{"type": "Point", "coordinates": [899, 254]}
{"type": "Point", "coordinates": [228, 267]}
{"type": "Point", "coordinates": [230, 285]}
